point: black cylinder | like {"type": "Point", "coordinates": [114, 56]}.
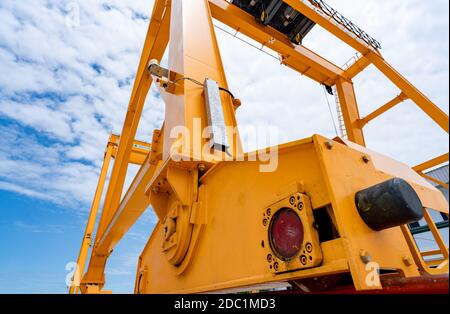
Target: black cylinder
{"type": "Point", "coordinates": [389, 204]}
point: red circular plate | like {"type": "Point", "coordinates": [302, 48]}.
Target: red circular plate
{"type": "Point", "coordinates": [286, 234]}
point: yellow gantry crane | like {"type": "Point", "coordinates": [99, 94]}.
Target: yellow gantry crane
{"type": "Point", "coordinates": [330, 208]}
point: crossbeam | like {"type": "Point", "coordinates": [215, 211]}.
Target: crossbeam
{"type": "Point", "coordinates": [357, 67]}
{"type": "Point", "coordinates": [438, 182]}
{"type": "Point", "coordinates": [374, 56]}
{"type": "Point", "coordinates": [432, 163]}
{"type": "Point", "coordinates": [391, 104]}
{"type": "Point", "coordinates": [139, 150]}
{"type": "Point", "coordinates": [296, 57]}
{"type": "Point", "coordinates": [134, 203]}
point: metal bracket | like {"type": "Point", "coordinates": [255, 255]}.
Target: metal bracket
{"type": "Point", "coordinates": [216, 117]}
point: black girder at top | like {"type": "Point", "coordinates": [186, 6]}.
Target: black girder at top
{"type": "Point", "coordinates": [296, 26]}
{"type": "Point", "coordinates": [277, 14]}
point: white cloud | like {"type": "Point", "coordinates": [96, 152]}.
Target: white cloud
{"type": "Point", "coordinates": [72, 84]}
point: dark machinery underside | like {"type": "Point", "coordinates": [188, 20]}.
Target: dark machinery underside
{"type": "Point", "coordinates": [277, 14]}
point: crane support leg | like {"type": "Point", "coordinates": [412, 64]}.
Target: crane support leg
{"type": "Point", "coordinates": [87, 238]}
{"type": "Point", "coordinates": [433, 111]}
{"type": "Point", "coordinates": [349, 107]}
{"type": "Point", "coordinates": [154, 48]}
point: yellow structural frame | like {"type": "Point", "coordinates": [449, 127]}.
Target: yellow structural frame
{"type": "Point", "coordinates": [187, 26]}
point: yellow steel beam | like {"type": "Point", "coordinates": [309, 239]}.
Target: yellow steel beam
{"type": "Point", "coordinates": [433, 111]}
{"type": "Point", "coordinates": [155, 45]}
{"type": "Point", "coordinates": [431, 253]}
{"type": "Point", "coordinates": [87, 238]}
{"type": "Point", "coordinates": [436, 234]}
{"type": "Point", "coordinates": [350, 112]}
{"type": "Point", "coordinates": [135, 202]}
{"type": "Point", "coordinates": [391, 104]}
{"type": "Point", "coordinates": [130, 209]}
{"type": "Point", "coordinates": [154, 48]}
{"type": "Point", "coordinates": [443, 184]}
{"type": "Point", "coordinates": [139, 150]}
{"type": "Point", "coordinates": [297, 57]}
{"type": "Point", "coordinates": [194, 53]}
{"type": "Point", "coordinates": [432, 163]}
{"type": "Point", "coordinates": [357, 67]}
{"type": "Point", "coordinates": [328, 24]}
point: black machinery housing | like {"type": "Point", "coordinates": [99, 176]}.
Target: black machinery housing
{"type": "Point", "coordinates": [280, 16]}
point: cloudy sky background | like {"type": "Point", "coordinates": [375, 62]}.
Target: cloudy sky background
{"type": "Point", "coordinates": [67, 72]}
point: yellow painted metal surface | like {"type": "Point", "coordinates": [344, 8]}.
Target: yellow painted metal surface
{"type": "Point", "coordinates": [139, 150]}
{"type": "Point", "coordinates": [350, 112]}
{"type": "Point", "coordinates": [229, 253]}
{"type": "Point", "coordinates": [391, 104]}
{"type": "Point", "coordinates": [88, 234]}
{"type": "Point", "coordinates": [210, 235]}
{"type": "Point", "coordinates": [299, 58]}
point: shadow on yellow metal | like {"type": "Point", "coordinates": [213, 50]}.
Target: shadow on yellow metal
{"type": "Point", "coordinates": [211, 233]}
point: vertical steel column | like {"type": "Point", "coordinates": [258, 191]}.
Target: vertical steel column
{"type": "Point", "coordinates": [194, 53]}
{"type": "Point", "coordinates": [350, 112]}
{"type": "Point", "coordinates": [154, 48]}
{"type": "Point", "coordinates": [87, 238]}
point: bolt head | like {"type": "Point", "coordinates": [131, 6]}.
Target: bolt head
{"type": "Point", "coordinates": [155, 190]}
{"type": "Point", "coordinates": [365, 256]}
{"type": "Point", "coordinates": [366, 159]}
{"type": "Point", "coordinates": [329, 144]}
{"type": "Point", "coordinates": [407, 261]}
{"type": "Point", "coordinates": [201, 168]}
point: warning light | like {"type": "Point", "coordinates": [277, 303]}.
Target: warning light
{"type": "Point", "coordinates": [286, 234]}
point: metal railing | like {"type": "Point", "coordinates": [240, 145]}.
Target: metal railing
{"type": "Point", "coordinates": [341, 20]}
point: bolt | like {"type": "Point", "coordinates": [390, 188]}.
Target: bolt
{"type": "Point", "coordinates": [276, 266]}
{"type": "Point", "coordinates": [407, 260]}
{"type": "Point", "coordinates": [155, 189]}
{"type": "Point", "coordinates": [292, 200]}
{"type": "Point", "coordinates": [201, 168]}
{"type": "Point", "coordinates": [300, 206]}
{"type": "Point", "coordinates": [365, 256]}
{"type": "Point", "coordinates": [366, 159]}
{"type": "Point", "coordinates": [329, 144]}
{"type": "Point", "coordinates": [303, 260]}
{"type": "Point", "coordinates": [269, 212]}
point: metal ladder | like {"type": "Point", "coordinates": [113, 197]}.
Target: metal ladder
{"type": "Point", "coordinates": [340, 116]}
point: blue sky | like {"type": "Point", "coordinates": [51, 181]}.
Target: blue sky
{"type": "Point", "coordinates": [67, 72]}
